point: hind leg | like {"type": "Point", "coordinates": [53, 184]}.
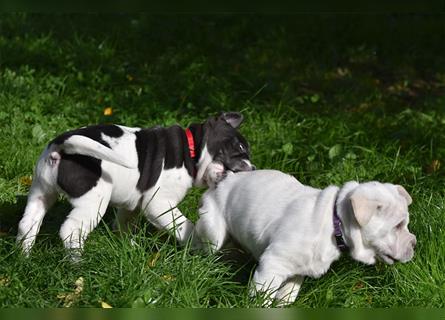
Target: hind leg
{"type": "Point", "coordinates": [39, 201]}
{"type": "Point", "coordinates": [87, 212]}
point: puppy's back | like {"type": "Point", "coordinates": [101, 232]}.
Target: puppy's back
{"type": "Point", "coordinates": [255, 203]}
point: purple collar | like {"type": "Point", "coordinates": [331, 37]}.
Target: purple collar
{"type": "Point", "coordinates": [337, 231]}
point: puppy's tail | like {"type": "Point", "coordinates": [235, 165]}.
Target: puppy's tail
{"type": "Point", "coordinates": [78, 144]}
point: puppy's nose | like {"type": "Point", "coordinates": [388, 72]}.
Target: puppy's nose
{"type": "Point", "coordinates": [253, 167]}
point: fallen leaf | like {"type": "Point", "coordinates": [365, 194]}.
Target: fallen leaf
{"type": "Point", "coordinates": [434, 166]}
{"type": "Point", "coordinates": [25, 181]}
{"type": "Point", "coordinates": [4, 281]}
{"type": "Point", "coordinates": [69, 298]}
{"type": "Point", "coordinates": [343, 72]}
{"type": "Point", "coordinates": [358, 285]}
{"type": "Point", "coordinates": [105, 305]}
{"type": "Point", "coordinates": [153, 259]}
{"type": "Point", "coordinates": [79, 285]}
{"type": "Point", "coordinates": [108, 111]}
{"type": "Point", "coordinates": [168, 277]}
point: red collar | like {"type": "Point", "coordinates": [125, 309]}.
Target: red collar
{"type": "Point", "coordinates": [191, 143]}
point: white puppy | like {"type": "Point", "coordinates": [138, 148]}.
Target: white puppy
{"type": "Point", "coordinates": [291, 228]}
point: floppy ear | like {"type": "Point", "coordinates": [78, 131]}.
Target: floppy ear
{"type": "Point", "coordinates": [363, 208]}
{"type": "Point", "coordinates": [232, 118]}
{"type": "Point", "coordinates": [401, 190]}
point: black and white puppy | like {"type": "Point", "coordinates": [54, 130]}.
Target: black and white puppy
{"type": "Point", "coordinates": [130, 168]}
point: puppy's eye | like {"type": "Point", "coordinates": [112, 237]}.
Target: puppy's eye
{"type": "Point", "coordinates": [242, 147]}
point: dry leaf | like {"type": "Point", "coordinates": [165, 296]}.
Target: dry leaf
{"type": "Point", "coordinates": [108, 111]}
{"type": "Point", "coordinates": [153, 259]}
{"type": "Point", "coordinates": [69, 298]}
{"type": "Point", "coordinates": [105, 305]}
{"type": "Point", "coordinates": [79, 285]}
{"type": "Point", "coordinates": [343, 72]}
{"type": "Point", "coordinates": [434, 166]}
{"type": "Point", "coordinates": [4, 281]}
{"type": "Point", "coordinates": [168, 277]}
{"type": "Point", "coordinates": [25, 181]}
{"type": "Point", "coordinates": [359, 285]}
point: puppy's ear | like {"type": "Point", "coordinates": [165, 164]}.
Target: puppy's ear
{"type": "Point", "coordinates": [401, 190]}
{"type": "Point", "coordinates": [363, 208]}
{"type": "Point", "coordinates": [233, 118]}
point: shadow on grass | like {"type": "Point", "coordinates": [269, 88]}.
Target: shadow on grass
{"type": "Point", "coordinates": [11, 213]}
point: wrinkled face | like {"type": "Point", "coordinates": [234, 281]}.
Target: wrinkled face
{"type": "Point", "coordinates": [226, 145]}
{"type": "Point", "coordinates": [382, 213]}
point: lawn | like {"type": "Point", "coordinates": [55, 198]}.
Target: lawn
{"type": "Point", "coordinates": [326, 98]}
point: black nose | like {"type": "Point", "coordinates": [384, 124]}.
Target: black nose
{"type": "Point", "coordinates": [253, 167]}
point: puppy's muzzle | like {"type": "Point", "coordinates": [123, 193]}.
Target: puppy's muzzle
{"type": "Point", "coordinates": [409, 251]}
{"type": "Point", "coordinates": [244, 165]}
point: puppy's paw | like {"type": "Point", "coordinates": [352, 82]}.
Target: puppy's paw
{"type": "Point", "coordinates": [214, 173]}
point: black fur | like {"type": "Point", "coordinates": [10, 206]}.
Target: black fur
{"type": "Point", "coordinates": [227, 145]}
{"type": "Point", "coordinates": [157, 145]}
{"type": "Point", "coordinates": [78, 174]}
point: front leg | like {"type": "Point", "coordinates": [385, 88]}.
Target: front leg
{"type": "Point", "coordinates": [289, 291]}
{"type": "Point", "coordinates": [214, 174]}
{"type": "Point", "coordinates": [269, 276]}
{"type": "Point", "coordinates": [162, 212]}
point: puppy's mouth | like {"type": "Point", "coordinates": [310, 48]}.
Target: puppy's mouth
{"type": "Point", "coordinates": [387, 258]}
{"type": "Point", "coordinates": [240, 167]}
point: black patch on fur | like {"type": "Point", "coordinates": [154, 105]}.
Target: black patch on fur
{"type": "Point", "coordinates": [78, 174]}
{"type": "Point", "coordinates": [92, 132]}
{"type": "Point", "coordinates": [157, 145]}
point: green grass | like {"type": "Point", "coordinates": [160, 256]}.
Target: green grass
{"type": "Point", "coordinates": [326, 98]}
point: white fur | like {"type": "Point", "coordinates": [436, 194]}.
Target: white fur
{"type": "Point", "coordinates": [83, 145]}
{"type": "Point", "coordinates": [288, 227]}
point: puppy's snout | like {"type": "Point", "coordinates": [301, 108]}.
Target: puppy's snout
{"type": "Point", "coordinates": [243, 165]}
